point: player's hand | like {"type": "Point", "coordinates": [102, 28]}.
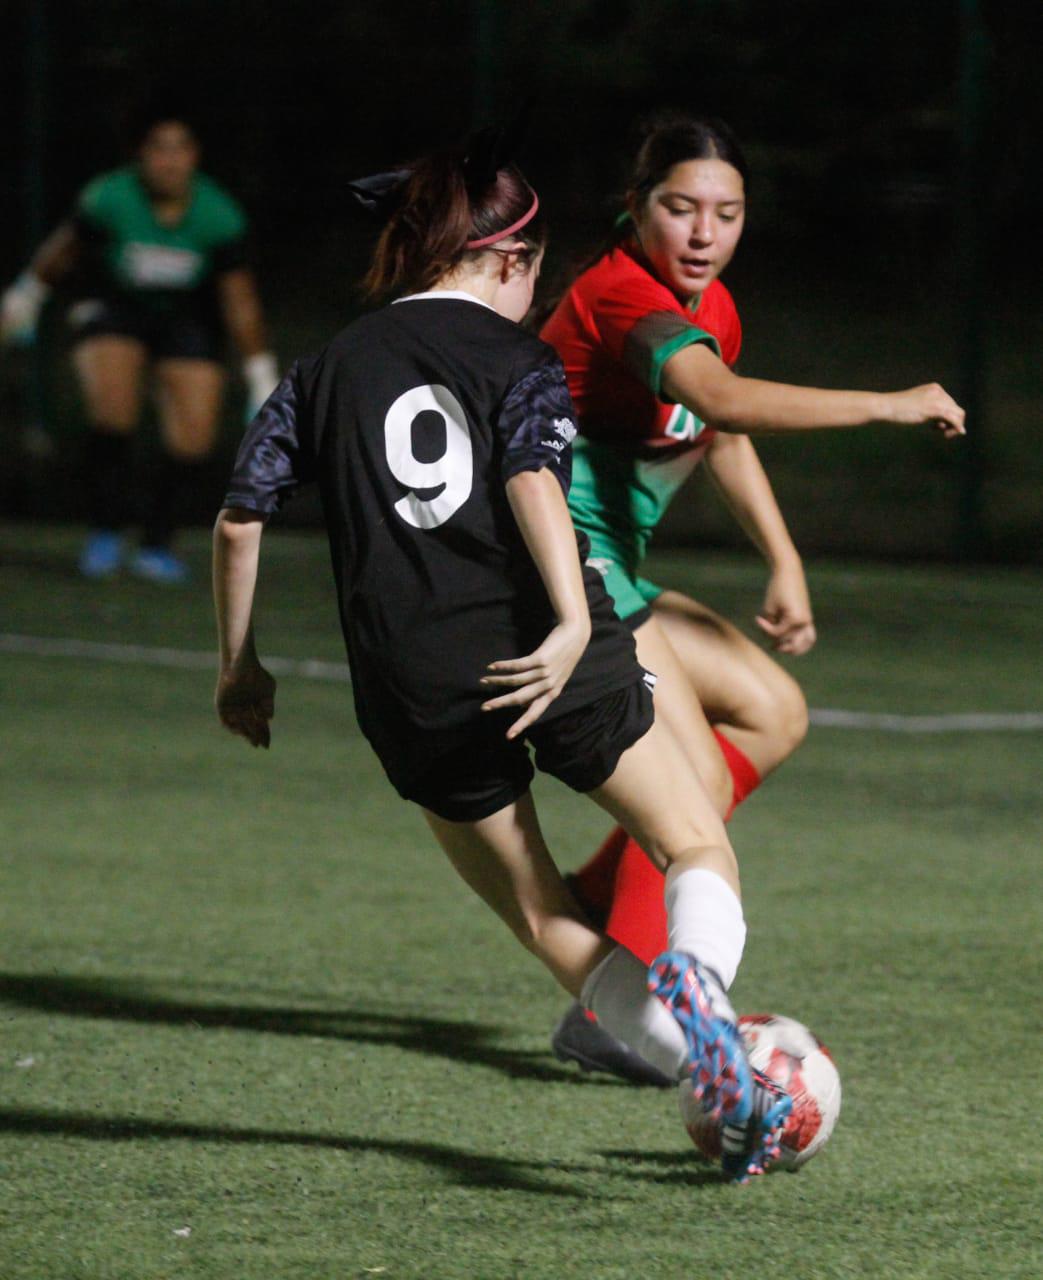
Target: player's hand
{"type": "Point", "coordinates": [928, 406]}
{"type": "Point", "coordinates": [537, 679]}
{"type": "Point", "coordinates": [20, 307]}
{"type": "Point", "coordinates": [785, 616]}
{"type": "Point", "coordinates": [261, 375]}
{"type": "Point", "coordinates": [245, 701]}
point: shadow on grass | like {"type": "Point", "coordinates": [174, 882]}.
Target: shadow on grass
{"type": "Point", "coordinates": [456, 1040]}
{"type": "Point", "coordinates": [465, 1168]}
{"type": "Point", "coordinates": [687, 1168]}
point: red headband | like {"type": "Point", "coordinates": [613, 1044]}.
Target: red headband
{"type": "Point", "coordinates": [502, 235]}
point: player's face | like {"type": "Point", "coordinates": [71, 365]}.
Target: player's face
{"type": "Point", "coordinates": [168, 159]}
{"type": "Point", "coordinates": [689, 225]}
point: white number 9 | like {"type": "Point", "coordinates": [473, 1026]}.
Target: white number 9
{"type": "Point", "coordinates": [453, 469]}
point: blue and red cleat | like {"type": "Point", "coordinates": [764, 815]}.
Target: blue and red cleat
{"type": "Point", "coordinates": [750, 1109]}
{"type": "Point", "coordinates": [750, 1149]}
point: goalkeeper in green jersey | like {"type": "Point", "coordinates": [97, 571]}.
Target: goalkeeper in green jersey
{"type": "Point", "coordinates": [158, 254]}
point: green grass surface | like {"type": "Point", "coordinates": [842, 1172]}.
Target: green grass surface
{"type": "Point", "coordinates": [242, 994]}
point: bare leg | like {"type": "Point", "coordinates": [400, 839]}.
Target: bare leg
{"type": "Point", "coordinates": [657, 796]}
{"type": "Point", "coordinates": [189, 398]}
{"type": "Point", "coordinates": [109, 369]}
{"type": "Point", "coordinates": [677, 703]}
{"type": "Point", "coordinates": [505, 860]}
{"type": "Point", "coordinates": [738, 686]}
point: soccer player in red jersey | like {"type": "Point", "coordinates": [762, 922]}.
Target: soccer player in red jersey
{"type": "Point", "coordinates": [649, 337]}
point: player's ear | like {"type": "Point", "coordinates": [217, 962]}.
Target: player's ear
{"type": "Point", "coordinates": [510, 263]}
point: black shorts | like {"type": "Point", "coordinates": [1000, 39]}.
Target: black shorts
{"type": "Point", "coordinates": [182, 333]}
{"type": "Point", "coordinates": [581, 748]}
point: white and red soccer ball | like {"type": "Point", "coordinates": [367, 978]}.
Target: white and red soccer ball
{"type": "Point", "coordinates": [793, 1057]}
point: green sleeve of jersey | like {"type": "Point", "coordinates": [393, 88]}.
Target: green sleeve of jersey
{"type": "Point", "coordinates": [94, 203]}
{"type": "Point", "coordinates": [223, 216]}
{"type": "Point", "coordinates": [653, 340]}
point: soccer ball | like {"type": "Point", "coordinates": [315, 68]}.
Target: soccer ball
{"type": "Point", "coordinates": [791, 1055]}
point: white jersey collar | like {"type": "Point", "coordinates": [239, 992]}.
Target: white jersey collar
{"type": "Point", "coordinates": [459, 294]}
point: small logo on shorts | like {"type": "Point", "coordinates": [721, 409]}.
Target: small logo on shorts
{"type": "Point", "coordinates": [565, 428]}
{"type": "Point", "coordinates": [602, 566]}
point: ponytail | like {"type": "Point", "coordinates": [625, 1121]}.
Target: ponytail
{"type": "Point", "coordinates": [440, 220]}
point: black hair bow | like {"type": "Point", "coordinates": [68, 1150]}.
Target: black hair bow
{"type": "Point", "coordinates": [494, 148]}
{"type": "Point", "coordinates": [380, 192]}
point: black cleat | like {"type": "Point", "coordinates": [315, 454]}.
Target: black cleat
{"type": "Point", "coordinates": [578, 1038]}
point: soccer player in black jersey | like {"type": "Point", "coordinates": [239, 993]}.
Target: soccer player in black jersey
{"type": "Point", "coordinates": [439, 434]}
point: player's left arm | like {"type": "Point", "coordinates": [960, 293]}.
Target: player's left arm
{"type": "Point", "coordinates": [535, 680]}
{"type": "Point", "coordinates": [740, 478]}
{"type": "Point", "coordinates": [245, 695]}
{"type": "Point", "coordinates": [536, 424]}
{"type": "Point", "coordinates": [240, 302]}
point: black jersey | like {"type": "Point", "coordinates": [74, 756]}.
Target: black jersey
{"type": "Point", "coordinates": [412, 420]}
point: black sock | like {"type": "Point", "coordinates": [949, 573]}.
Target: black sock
{"type": "Point", "coordinates": [175, 480]}
{"type": "Point", "coordinates": [107, 478]}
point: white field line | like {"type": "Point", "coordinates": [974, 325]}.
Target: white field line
{"type": "Point", "coordinates": [313, 669]}
{"type": "Point", "coordinates": [147, 656]}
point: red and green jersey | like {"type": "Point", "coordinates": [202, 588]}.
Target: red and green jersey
{"type": "Point", "coordinates": [614, 330]}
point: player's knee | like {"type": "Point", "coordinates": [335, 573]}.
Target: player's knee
{"type": "Point", "coordinates": [537, 924]}
{"type": "Point", "coordinates": [192, 445]}
{"type": "Point", "coordinates": [112, 419]}
{"type": "Point", "coordinates": [777, 711]}
{"type": "Point", "coordinates": [708, 852]}
{"type": "Point", "coordinates": [789, 714]}
{"type": "Point", "coordinates": [194, 451]}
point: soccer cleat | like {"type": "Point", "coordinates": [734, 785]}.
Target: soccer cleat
{"type": "Point", "coordinates": [580, 1038]}
{"type": "Point", "coordinates": [749, 1149]}
{"type": "Point", "coordinates": [102, 554]}
{"type": "Point", "coordinates": [721, 1078]}
{"type": "Point", "coordinates": [157, 564]}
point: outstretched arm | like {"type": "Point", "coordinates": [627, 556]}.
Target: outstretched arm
{"type": "Point", "coordinates": [743, 483]}
{"type": "Point", "coordinates": [245, 696]}
{"type": "Point", "coordinates": [22, 302]}
{"type": "Point", "coordinates": [243, 315]}
{"type": "Point", "coordinates": [697, 378]}
{"type": "Point", "coordinates": [539, 507]}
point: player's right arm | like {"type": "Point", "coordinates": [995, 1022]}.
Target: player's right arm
{"type": "Point", "coordinates": [22, 302]}
{"type": "Point", "coordinates": [271, 465]}
{"type": "Point", "coordinates": [245, 695]}
{"type": "Point", "coordinates": [785, 616]}
{"type": "Point", "coordinates": [697, 378]}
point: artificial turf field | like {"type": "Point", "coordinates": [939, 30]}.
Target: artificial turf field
{"type": "Point", "coordinates": [252, 1026]}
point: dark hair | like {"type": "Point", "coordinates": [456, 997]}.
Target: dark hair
{"type": "Point", "coordinates": [438, 213]}
{"type": "Point", "coordinates": [664, 139]}
{"type": "Point", "coordinates": [161, 108]}
{"type": "Point", "coordinates": [672, 138]}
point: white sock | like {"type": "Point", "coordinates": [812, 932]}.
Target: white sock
{"type": "Point", "coordinates": [617, 992]}
{"type": "Point", "coordinates": [704, 918]}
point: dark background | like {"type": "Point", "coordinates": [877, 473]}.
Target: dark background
{"type": "Point", "coordinates": [895, 204]}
